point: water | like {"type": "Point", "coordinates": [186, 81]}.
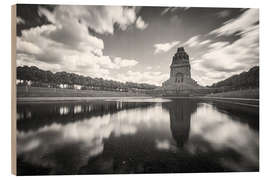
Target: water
{"type": "Point", "coordinates": [135, 136]}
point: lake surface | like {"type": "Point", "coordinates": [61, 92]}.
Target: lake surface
{"type": "Point", "coordinates": [133, 135]}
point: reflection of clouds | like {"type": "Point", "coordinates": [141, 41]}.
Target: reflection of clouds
{"type": "Point", "coordinates": [68, 147]}
{"type": "Point", "coordinates": [19, 116]}
{"type": "Point", "coordinates": [77, 109]}
{"type": "Point", "coordinates": [26, 115]}
{"type": "Point", "coordinates": [63, 110]}
{"type": "Point", "coordinates": [86, 136]}
{"type": "Point", "coordinates": [163, 144]}
{"type": "Point", "coordinates": [28, 146]}
{"type": "Point", "coordinates": [45, 114]}
{"type": "Point", "coordinates": [119, 105]}
{"type": "Point", "coordinates": [222, 132]}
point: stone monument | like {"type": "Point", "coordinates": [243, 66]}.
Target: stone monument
{"type": "Point", "coordinates": [180, 77]}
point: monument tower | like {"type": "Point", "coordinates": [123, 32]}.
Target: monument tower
{"type": "Point", "coordinates": [180, 67]}
{"type": "Point", "coordinates": [180, 76]}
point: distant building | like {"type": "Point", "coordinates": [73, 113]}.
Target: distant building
{"type": "Point", "coordinates": [180, 76]}
{"type": "Point", "coordinates": [18, 81]}
{"type": "Point", "coordinates": [63, 86]}
{"type": "Point", "coordinates": [76, 86]}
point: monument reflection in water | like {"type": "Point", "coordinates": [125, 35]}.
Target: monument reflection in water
{"type": "Point", "coordinates": [180, 114]}
{"type": "Point", "coordinates": [134, 136]}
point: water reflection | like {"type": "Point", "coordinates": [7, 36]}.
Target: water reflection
{"type": "Point", "coordinates": [49, 145]}
{"type": "Point", "coordinates": [64, 110]}
{"type": "Point", "coordinates": [221, 132]}
{"type": "Point", "coordinates": [77, 109]}
{"type": "Point", "coordinates": [45, 114]}
{"type": "Point", "coordinates": [180, 114]}
{"type": "Point", "coordinates": [133, 137]}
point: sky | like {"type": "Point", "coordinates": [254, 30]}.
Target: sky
{"type": "Point", "coordinates": [137, 44]}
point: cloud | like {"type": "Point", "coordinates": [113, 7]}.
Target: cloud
{"type": "Point", "coordinates": [173, 9]}
{"type": "Point", "coordinates": [175, 19]}
{"type": "Point", "coordinates": [240, 24]}
{"type": "Point", "coordinates": [140, 24]}
{"type": "Point", "coordinates": [205, 42]}
{"type": "Point", "coordinates": [19, 20]}
{"type": "Point", "coordinates": [28, 47]}
{"type": "Point", "coordinates": [196, 41]}
{"type": "Point", "coordinates": [67, 45]}
{"type": "Point", "coordinates": [193, 41]}
{"type": "Point", "coordinates": [224, 59]}
{"type": "Point", "coordinates": [165, 47]}
{"type": "Point", "coordinates": [219, 44]}
{"type": "Point", "coordinates": [224, 13]}
{"type": "Point", "coordinates": [124, 62]}
{"type": "Point", "coordinates": [150, 77]}
{"type": "Point", "coordinates": [185, 8]}
{"type": "Point", "coordinates": [165, 11]}
{"type": "Point", "coordinates": [99, 18]}
{"type": "Point", "coordinates": [241, 53]}
{"type": "Point", "coordinates": [175, 16]}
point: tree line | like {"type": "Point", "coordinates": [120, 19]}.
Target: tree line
{"type": "Point", "coordinates": [41, 78]}
{"type": "Point", "coordinates": [244, 80]}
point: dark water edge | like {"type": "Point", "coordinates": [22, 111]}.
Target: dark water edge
{"type": "Point", "coordinates": [136, 136]}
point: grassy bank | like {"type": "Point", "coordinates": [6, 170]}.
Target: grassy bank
{"type": "Point", "coordinates": [57, 92]}
{"type": "Point", "coordinates": [247, 93]}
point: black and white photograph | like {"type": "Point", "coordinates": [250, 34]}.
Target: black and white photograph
{"type": "Point", "coordinates": [106, 89]}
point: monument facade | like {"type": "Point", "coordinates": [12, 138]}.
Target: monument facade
{"type": "Point", "coordinates": [180, 76]}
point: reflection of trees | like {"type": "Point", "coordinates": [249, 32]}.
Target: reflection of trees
{"type": "Point", "coordinates": [244, 114]}
{"type": "Point", "coordinates": [34, 116]}
{"type": "Point", "coordinates": [180, 113]}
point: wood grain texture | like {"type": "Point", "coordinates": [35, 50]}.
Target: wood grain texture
{"type": "Point", "coordinates": [13, 91]}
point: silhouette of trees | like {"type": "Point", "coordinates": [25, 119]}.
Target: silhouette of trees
{"type": "Point", "coordinates": [243, 80]}
{"type": "Point", "coordinates": [41, 78]}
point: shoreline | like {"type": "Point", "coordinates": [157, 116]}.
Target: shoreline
{"type": "Point", "coordinates": [68, 99]}
{"type": "Point", "coordinates": [237, 101]}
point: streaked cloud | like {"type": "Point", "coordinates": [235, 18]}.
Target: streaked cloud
{"type": "Point", "coordinates": [224, 58]}
{"type": "Point", "coordinates": [99, 18]}
{"type": "Point", "coordinates": [193, 41]}
{"type": "Point", "coordinates": [238, 25]}
{"type": "Point", "coordinates": [165, 47]}
{"type": "Point", "coordinates": [224, 13]}
{"type": "Point", "coordinates": [173, 9]}
{"type": "Point", "coordinates": [196, 41]}
{"type": "Point", "coordinates": [205, 42]}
